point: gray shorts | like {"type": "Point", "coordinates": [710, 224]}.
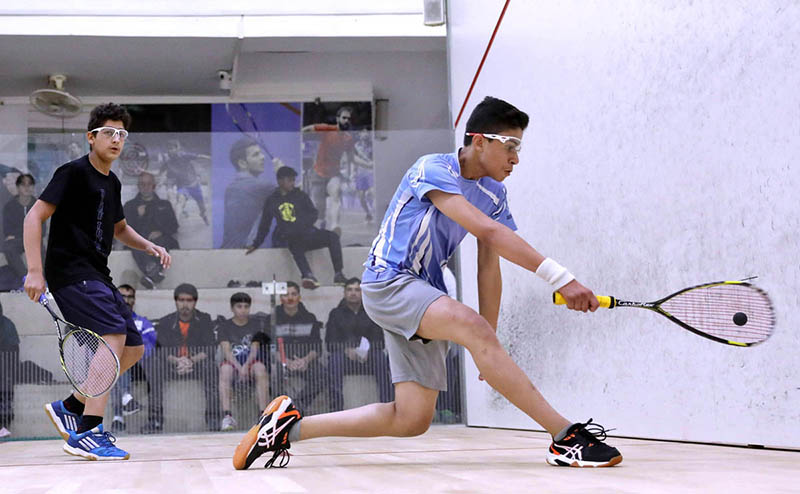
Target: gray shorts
{"type": "Point", "coordinates": [397, 306]}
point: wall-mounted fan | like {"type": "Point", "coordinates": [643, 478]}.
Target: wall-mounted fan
{"type": "Point", "coordinates": [54, 100]}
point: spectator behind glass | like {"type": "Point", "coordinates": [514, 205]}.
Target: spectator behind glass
{"type": "Point", "coordinates": [294, 215]}
{"type": "Point", "coordinates": [121, 398]}
{"type": "Point", "coordinates": [9, 365]}
{"type": "Point", "coordinates": [14, 213]}
{"type": "Point", "coordinates": [245, 196]}
{"type": "Point", "coordinates": [185, 344]}
{"type": "Point", "coordinates": [240, 339]}
{"type": "Point", "coordinates": [355, 346]}
{"type": "Point", "coordinates": [155, 220]}
{"type": "Point", "coordinates": [299, 330]}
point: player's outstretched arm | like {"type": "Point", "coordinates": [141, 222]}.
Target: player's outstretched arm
{"type": "Point", "coordinates": [32, 242]}
{"type": "Point", "coordinates": [511, 246]}
{"type": "Point", "coordinates": [490, 284]}
{"type": "Point", "coordinates": [128, 236]}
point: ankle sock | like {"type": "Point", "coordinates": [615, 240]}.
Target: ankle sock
{"type": "Point", "coordinates": [561, 435]}
{"type": "Point", "coordinates": [89, 422]}
{"type": "Point", "coordinates": [294, 432]}
{"type": "Point", "coordinates": [73, 405]}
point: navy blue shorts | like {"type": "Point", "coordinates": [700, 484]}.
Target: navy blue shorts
{"type": "Point", "coordinates": [96, 306]}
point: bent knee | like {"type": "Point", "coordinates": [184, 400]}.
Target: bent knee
{"type": "Point", "coordinates": [409, 424]}
{"type": "Point", "coordinates": [415, 427]}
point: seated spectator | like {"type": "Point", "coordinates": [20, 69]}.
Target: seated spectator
{"type": "Point", "coordinates": [154, 219]}
{"type": "Point", "coordinates": [295, 215]}
{"type": "Point", "coordinates": [240, 339]}
{"type": "Point", "coordinates": [9, 365]}
{"type": "Point", "coordinates": [121, 398]}
{"type": "Point", "coordinates": [298, 331]}
{"type": "Point", "coordinates": [355, 346]}
{"type": "Point", "coordinates": [14, 213]}
{"type": "Point", "coordinates": [184, 351]}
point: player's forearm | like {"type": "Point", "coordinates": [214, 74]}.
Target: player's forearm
{"type": "Point", "coordinates": [32, 242]}
{"type": "Point", "coordinates": [512, 247]}
{"type": "Point", "coordinates": [129, 237]}
{"type": "Point", "coordinates": [490, 285]}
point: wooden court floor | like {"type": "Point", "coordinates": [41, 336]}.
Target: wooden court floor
{"type": "Point", "coordinates": [445, 459]}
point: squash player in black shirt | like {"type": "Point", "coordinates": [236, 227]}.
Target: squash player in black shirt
{"type": "Point", "coordinates": [83, 199]}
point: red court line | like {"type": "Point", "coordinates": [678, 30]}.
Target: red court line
{"type": "Point", "coordinates": [480, 66]}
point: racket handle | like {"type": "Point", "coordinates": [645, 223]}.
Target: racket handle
{"type": "Point", "coordinates": [605, 301]}
{"type": "Point", "coordinates": [42, 298]}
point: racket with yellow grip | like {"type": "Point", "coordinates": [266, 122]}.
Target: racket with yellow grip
{"type": "Point", "coordinates": [730, 312]}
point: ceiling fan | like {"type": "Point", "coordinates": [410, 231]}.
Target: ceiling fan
{"type": "Point", "coordinates": [55, 101]}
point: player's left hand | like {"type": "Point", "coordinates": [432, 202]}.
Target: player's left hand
{"type": "Point", "coordinates": [161, 253]}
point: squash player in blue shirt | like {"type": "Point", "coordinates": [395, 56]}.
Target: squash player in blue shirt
{"type": "Point", "coordinates": [440, 199]}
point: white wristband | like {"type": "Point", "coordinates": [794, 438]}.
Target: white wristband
{"type": "Point", "coordinates": [554, 273]}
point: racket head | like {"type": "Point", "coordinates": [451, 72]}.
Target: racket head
{"type": "Point", "coordinates": [88, 361]}
{"type": "Point", "coordinates": [731, 312]}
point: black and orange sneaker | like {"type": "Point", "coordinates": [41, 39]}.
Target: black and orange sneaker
{"type": "Point", "coordinates": [271, 433]}
{"type": "Point", "coordinates": [583, 447]}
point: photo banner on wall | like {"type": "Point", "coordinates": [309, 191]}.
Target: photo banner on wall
{"type": "Point", "coordinates": [338, 167]}
{"type": "Point", "coordinates": [250, 141]}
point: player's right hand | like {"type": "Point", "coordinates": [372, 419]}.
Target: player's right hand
{"type": "Point", "coordinates": [34, 285]}
{"type": "Point", "coordinates": [579, 297]}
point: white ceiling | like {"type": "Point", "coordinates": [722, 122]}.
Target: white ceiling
{"type": "Point", "coordinates": [159, 66]}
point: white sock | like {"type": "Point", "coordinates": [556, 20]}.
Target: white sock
{"type": "Point", "coordinates": [126, 398]}
{"type": "Point", "coordinates": [294, 432]}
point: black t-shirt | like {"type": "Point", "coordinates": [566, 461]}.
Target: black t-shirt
{"type": "Point", "coordinates": [241, 337]}
{"type": "Point", "coordinates": [88, 205]}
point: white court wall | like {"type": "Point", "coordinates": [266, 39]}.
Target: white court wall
{"type": "Point", "coordinates": [663, 152]}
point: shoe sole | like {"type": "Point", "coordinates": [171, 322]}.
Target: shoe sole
{"type": "Point", "coordinates": [556, 461]}
{"type": "Point", "coordinates": [91, 456]}
{"type": "Point", "coordinates": [51, 414]}
{"type": "Point", "coordinates": [309, 285]}
{"type": "Point", "coordinates": [249, 440]}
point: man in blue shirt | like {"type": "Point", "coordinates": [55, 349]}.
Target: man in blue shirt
{"type": "Point", "coordinates": [121, 397]}
{"type": "Point", "coordinates": [440, 199]}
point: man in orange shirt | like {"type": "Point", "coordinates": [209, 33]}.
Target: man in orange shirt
{"type": "Point", "coordinates": [186, 343]}
{"type": "Point", "coordinates": [336, 142]}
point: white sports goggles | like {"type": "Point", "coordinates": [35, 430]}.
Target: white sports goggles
{"type": "Point", "coordinates": [111, 132]}
{"type": "Point", "coordinates": [515, 142]}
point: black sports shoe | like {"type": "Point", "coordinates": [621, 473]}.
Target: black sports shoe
{"type": "Point", "coordinates": [339, 279]}
{"type": "Point", "coordinates": [271, 433]}
{"type": "Point", "coordinates": [309, 282]}
{"type": "Point", "coordinates": [583, 447]}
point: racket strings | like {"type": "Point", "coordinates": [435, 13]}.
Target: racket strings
{"type": "Point", "coordinates": [716, 309]}
{"type": "Point", "coordinates": [89, 362]}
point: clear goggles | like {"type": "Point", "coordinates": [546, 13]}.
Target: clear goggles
{"type": "Point", "coordinates": [111, 132]}
{"type": "Point", "coordinates": [511, 143]}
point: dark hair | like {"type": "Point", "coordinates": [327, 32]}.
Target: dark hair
{"type": "Point", "coordinates": [344, 109]}
{"type": "Point", "coordinates": [185, 288]}
{"type": "Point", "coordinates": [494, 115]}
{"type": "Point", "coordinates": [241, 297]}
{"type": "Point", "coordinates": [285, 171]}
{"type": "Point", "coordinates": [290, 284]}
{"type": "Point", "coordinates": [352, 281]}
{"type": "Point", "coordinates": [126, 286]}
{"type": "Point", "coordinates": [24, 176]}
{"type": "Point", "coordinates": [239, 150]}
{"type": "Point", "coordinates": [109, 111]}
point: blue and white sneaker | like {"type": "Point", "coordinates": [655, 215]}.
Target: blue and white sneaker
{"type": "Point", "coordinates": [66, 422]}
{"type": "Point", "coordinates": [95, 445]}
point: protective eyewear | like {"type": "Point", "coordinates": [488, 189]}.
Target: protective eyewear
{"type": "Point", "coordinates": [515, 142]}
{"type": "Point", "coordinates": [111, 132]}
